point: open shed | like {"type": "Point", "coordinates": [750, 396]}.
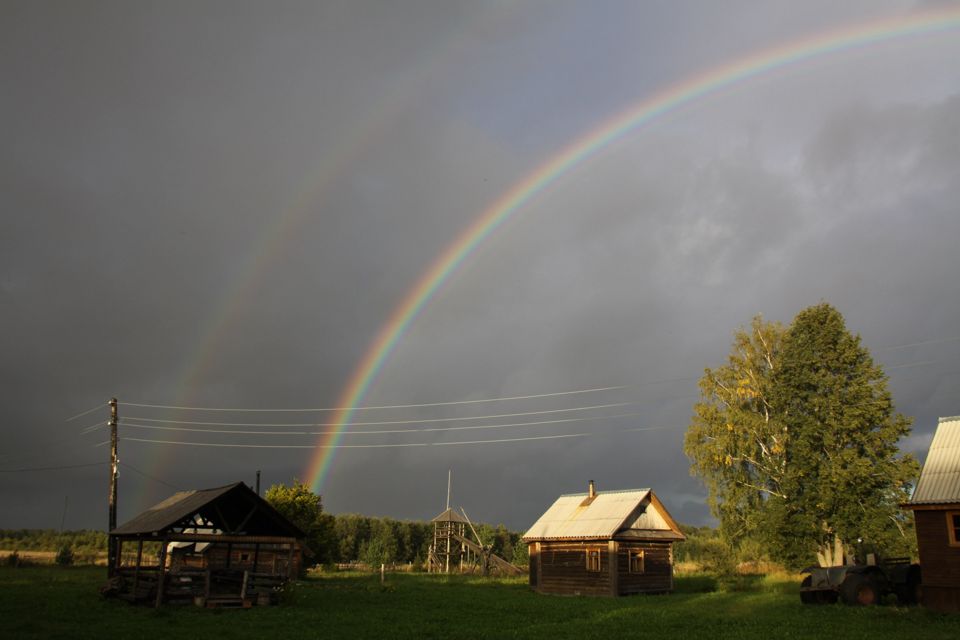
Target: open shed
{"type": "Point", "coordinates": [936, 509]}
{"type": "Point", "coordinates": [222, 546]}
{"type": "Point", "coordinates": [607, 544]}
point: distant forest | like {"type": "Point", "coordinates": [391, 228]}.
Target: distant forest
{"type": "Point", "coordinates": [354, 538]}
{"type": "Point", "coordinates": [363, 539]}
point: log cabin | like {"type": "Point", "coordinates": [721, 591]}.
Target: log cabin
{"type": "Point", "coordinates": [224, 546]}
{"type": "Point", "coordinates": [936, 508]}
{"type": "Point", "coordinates": [612, 543]}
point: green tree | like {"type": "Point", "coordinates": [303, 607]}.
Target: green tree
{"type": "Point", "coordinates": [844, 476]}
{"type": "Point", "coordinates": [796, 441]}
{"type": "Point", "coordinates": [305, 509]}
{"type": "Point", "coordinates": [735, 442]}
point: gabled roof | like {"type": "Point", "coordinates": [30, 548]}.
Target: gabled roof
{"type": "Point", "coordinates": [940, 479]}
{"type": "Point", "coordinates": [609, 514]}
{"type": "Point", "coordinates": [234, 508]}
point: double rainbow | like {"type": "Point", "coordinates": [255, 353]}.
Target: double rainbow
{"type": "Point", "coordinates": [595, 140]}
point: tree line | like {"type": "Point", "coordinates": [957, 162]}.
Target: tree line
{"type": "Point", "coordinates": [353, 538]}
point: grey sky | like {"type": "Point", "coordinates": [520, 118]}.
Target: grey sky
{"type": "Point", "coordinates": [220, 203]}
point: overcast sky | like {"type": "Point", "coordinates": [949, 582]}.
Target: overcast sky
{"type": "Point", "coordinates": [219, 204]}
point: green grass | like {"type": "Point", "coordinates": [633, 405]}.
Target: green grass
{"type": "Point", "coordinates": [54, 602]}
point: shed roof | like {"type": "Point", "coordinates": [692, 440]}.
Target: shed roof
{"type": "Point", "coordinates": [233, 508]}
{"type": "Point", "coordinates": [610, 513]}
{"type": "Point", "coordinates": [940, 479]}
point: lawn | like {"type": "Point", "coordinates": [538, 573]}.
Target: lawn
{"type": "Point", "coordinates": [55, 602]}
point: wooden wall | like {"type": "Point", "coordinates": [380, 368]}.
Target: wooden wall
{"type": "Point", "coordinates": [561, 568]}
{"type": "Point", "coordinates": [271, 558]}
{"type": "Point", "coordinates": [658, 568]}
{"type": "Point", "coordinates": [939, 562]}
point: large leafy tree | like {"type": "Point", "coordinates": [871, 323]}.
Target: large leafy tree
{"type": "Point", "coordinates": [305, 509]}
{"type": "Point", "coordinates": [796, 440]}
{"type": "Point", "coordinates": [844, 474]}
{"type": "Point", "coordinates": [735, 442]}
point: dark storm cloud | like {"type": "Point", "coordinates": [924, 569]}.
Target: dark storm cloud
{"type": "Point", "coordinates": [221, 204]}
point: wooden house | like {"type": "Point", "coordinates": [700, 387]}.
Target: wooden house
{"type": "Point", "coordinates": [225, 546]}
{"type": "Point", "coordinates": [609, 543]}
{"type": "Point", "coordinates": [936, 508]}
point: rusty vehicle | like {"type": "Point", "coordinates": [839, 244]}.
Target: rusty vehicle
{"type": "Point", "coordinates": [862, 584]}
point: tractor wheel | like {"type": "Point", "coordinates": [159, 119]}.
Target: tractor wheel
{"type": "Point", "coordinates": [807, 597]}
{"type": "Point", "coordinates": [859, 590]}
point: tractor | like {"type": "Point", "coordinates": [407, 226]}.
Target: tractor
{"type": "Point", "coordinates": [862, 584]}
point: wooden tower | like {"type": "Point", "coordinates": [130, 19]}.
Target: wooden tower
{"type": "Point", "coordinates": [448, 550]}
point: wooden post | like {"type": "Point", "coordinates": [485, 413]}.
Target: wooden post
{"type": "Point", "coordinates": [256, 555]}
{"type": "Point", "coordinates": [382, 571]}
{"type": "Point", "coordinates": [162, 573]}
{"type": "Point", "coordinates": [614, 567]}
{"type": "Point", "coordinates": [136, 570]}
{"type": "Point", "coordinates": [112, 555]}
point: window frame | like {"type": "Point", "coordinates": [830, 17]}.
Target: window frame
{"type": "Point", "coordinates": [591, 554]}
{"type": "Point", "coordinates": [953, 528]}
{"type": "Point", "coordinates": [634, 554]}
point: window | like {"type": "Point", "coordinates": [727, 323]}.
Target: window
{"type": "Point", "coordinates": [636, 561]}
{"type": "Point", "coordinates": [593, 560]}
{"type": "Point", "coordinates": [244, 557]}
{"type": "Point", "coordinates": [953, 528]}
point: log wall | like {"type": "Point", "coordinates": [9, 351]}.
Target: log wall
{"type": "Point", "coordinates": [939, 561]}
{"type": "Point", "coordinates": [658, 569]}
{"type": "Point", "coordinates": [561, 568]}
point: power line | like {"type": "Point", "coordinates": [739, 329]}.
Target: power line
{"type": "Point", "coordinates": [148, 476]}
{"type": "Point", "coordinates": [383, 431]}
{"type": "Point", "coordinates": [69, 466]}
{"type": "Point", "coordinates": [911, 365]}
{"type": "Point", "coordinates": [80, 415]}
{"type": "Point", "coordinates": [380, 422]}
{"type": "Point", "coordinates": [389, 406]}
{"type": "Point", "coordinates": [93, 427]}
{"type": "Point", "coordinates": [353, 446]}
{"type": "Point", "coordinates": [919, 344]}
{"type": "Point", "coordinates": [383, 445]}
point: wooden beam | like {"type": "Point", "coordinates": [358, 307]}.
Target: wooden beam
{"type": "Point", "coordinates": [614, 565]}
{"type": "Point", "coordinates": [246, 518]}
{"type": "Point", "coordinates": [162, 575]}
{"type": "Point", "coordinates": [209, 537]}
{"type": "Point", "coordinates": [136, 571]}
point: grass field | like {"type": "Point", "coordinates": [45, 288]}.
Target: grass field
{"type": "Point", "coordinates": [55, 602]}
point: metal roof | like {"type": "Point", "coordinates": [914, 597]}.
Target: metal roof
{"type": "Point", "coordinates": [227, 507]}
{"type": "Point", "coordinates": [577, 516]}
{"type": "Point", "coordinates": [940, 479]}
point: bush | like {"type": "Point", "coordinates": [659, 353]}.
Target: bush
{"type": "Point", "coordinates": [13, 560]}
{"type": "Point", "coordinates": [716, 557]}
{"type": "Point", "coordinates": [64, 556]}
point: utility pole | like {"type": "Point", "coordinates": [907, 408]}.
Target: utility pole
{"type": "Point", "coordinates": [111, 542]}
{"type": "Point", "coordinates": [258, 481]}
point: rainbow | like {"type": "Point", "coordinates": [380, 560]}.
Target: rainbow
{"type": "Point", "coordinates": [573, 154]}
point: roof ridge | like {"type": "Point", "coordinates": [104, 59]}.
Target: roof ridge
{"type": "Point", "coordinates": [599, 493]}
